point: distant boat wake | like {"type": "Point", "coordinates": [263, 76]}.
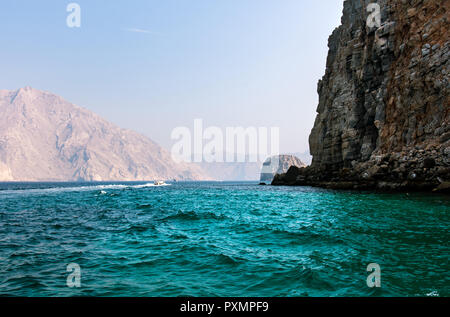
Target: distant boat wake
{"type": "Point", "coordinates": [101, 188]}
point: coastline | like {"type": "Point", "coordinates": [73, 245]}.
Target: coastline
{"type": "Point", "coordinates": [385, 179]}
{"type": "Point", "coordinates": [374, 186]}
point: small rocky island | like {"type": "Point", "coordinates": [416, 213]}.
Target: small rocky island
{"type": "Point", "coordinates": [383, 117]}
{"type": "Point", "coordinates": [278, 165]}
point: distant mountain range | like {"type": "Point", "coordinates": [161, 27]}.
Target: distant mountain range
{"type": "Point", "coordinates": [45, 138]}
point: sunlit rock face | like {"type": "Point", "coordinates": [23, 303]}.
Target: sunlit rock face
{"type": "Point", "coordinates": [384, 109]}
{"type": "Point", "coordinates": [45, 138]}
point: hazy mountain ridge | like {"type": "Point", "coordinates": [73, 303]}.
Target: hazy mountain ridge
{"type": "Point", "coordinates": [45, 138]}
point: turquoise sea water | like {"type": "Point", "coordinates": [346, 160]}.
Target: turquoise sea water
{"type": "Point", "coordinates": [220, 239]}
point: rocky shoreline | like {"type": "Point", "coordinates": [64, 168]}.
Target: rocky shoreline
{"type": "Point", "coordinates": [415, 170]}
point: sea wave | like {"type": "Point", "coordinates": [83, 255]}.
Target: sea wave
{"type": "Point", "coordinates": [149, 185]}
{"type": "Point", "coordinates": [205, 239]}
{"type": "Point", "coordinates": [193, 215]}
{"type": "Point", "coordinates": [56, 190]}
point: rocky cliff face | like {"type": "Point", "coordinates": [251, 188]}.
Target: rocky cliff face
{"type": "Point", "coordinates": [45, 138]}
{"type": "Point", "coordinates": [384, 109]}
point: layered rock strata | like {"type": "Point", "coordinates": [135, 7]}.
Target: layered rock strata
{"type": "Point", "coordinates": [384, 109]}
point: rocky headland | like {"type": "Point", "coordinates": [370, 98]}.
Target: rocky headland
{"type": "Point", "coordinates": [383, 117]}
{"type": "Point", "coordinates": [278, 165]}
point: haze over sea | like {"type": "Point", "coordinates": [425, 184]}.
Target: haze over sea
{"type": "Point", "coordinates": [220, 239]}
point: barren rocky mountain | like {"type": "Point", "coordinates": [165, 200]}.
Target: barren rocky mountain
{"type": "Point", "coordinates": [45, 138]}
{"type": "Point", "coordinates": [384, 109]}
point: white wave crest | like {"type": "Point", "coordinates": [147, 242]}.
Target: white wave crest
{"type": "Point", "coordinates": [101, 188]}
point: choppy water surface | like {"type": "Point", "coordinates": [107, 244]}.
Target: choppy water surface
{"type": "Point", "coordinates": [220, 239]}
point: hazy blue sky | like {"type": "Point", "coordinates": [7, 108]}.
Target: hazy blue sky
{"type": "Point", "coordinates": [229, 62]}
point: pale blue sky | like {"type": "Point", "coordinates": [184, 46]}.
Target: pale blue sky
{"type": "Point", "coordinates": [229, 62]}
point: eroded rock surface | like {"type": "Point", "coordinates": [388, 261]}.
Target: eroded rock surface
{"type": "Point", "coordinates": [384, 109]}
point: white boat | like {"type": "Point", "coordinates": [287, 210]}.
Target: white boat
{"type": "Point", "coordinates": [159, 183]}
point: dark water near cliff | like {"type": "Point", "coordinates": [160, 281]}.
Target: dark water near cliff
{"type": "Point", "coordinates": [220, 239]}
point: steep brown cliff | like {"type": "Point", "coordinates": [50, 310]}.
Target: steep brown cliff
{"type": "Point", "coordinates": [384, 109]}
